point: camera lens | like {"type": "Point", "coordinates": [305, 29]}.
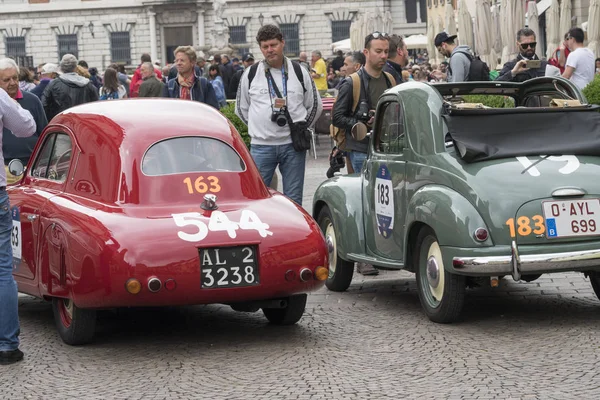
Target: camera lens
{"type": "Point", "coordinates": [281, 120]}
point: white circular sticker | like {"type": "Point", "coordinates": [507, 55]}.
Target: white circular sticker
{"type": "Point", "coordinates": [384, 201]}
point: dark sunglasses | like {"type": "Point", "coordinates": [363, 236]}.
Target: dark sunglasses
{"type": "Point", "coordinates": [531, 45]}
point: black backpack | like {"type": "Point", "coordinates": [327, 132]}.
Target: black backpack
{"type": "Point", "coordinates": [478, 70]}
{"type": "Point", "coordinates": [297, 70]}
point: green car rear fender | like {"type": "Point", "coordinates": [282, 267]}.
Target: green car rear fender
{"type": "Point", "coordinates": [451, 216]}
{"type": "Point", "coordinates": [343, 196]}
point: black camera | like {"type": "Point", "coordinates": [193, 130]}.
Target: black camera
{"type": "Point", "coordinates": [363, 113]}
{"type": "Point", "coordinates": [336, 162]}
{"type": "Point", "coordinates": [279, 117]}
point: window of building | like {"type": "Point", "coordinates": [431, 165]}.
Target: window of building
{"type": "Point", "coordinates": [340, 30]}
{"type": "Point", "coordinates": [120, 47]}
{"type": "Point", "coordinates": [15, 47]}
{"type": "Point", "coordinates": [67, 44]}
{"type": "Point", "coordinates": [237, 35]}
{"type": "Point", "coordinates": [291, 34]}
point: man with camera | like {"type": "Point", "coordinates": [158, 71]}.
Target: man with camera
{"type": "Point", "coordinates": [278, 101]}
{"type": "Point", "coordinates": [527, 65]}
{"type": "Point", "coordinates": [373, 82]}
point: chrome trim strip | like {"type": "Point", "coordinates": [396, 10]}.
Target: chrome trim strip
{"type": "Point", "coordinates": [568, 192]}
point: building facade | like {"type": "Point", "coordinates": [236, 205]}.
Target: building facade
{"type": "Point", "coordinates": [105, 31]}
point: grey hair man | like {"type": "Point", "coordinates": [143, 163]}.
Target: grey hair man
{"type": "Point", "coordinates": [68, 90]}
{"type": "Point", "coordinates": [303, 60]}
{"type": "Point", "coordinates": [13, 146]}
{"type": "Point", "coordinates": [151, 86]}
{"type": "Point", "coordinates": [397, 58]}
{"type": "Point", "coordinates": [318, 70]}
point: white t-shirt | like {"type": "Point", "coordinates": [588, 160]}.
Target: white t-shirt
{"type": "Point", "coordinates": [582, 59]}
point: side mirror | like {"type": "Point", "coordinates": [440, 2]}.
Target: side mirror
{"type": "Point", "coordinates": [359, 131]}
{"type": "Point", "coordinates": [16, 167]}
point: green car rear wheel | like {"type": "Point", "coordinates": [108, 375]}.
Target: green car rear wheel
{"type": "Point", "coordinates": [340, 271]}
{"type": "Point", "coordinates": [441, 293]}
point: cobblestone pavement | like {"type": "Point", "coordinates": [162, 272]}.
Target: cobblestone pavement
{"type": "Point", "coordinates": [535, 340]}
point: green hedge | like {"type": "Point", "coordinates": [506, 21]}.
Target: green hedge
{"type": "Point", "coordinates": [229, 112]}
{"type": "Point", "coordinates": [592, 91]}
{"type": "Point", "coordinates": [491, 100]}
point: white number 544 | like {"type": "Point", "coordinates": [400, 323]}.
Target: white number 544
{"type": "Point", "coordinates": [218, 222]}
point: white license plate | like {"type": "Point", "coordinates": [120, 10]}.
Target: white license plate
{"type": "Point", "coordinates": [572, 218]}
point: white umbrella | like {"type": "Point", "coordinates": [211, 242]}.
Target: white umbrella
{"type": "Point", "coordinates": [593, 29]}
{"type": "Point", "coordinates": [534, 25]}
{"type": "Point", "coordinates": [431, 50]}
{"type": "Point", "coordinates": [508, 36]}
{"type": "Point", "coordinates": [496, 33]}
{"type": "Point", "coordinates": [465, 25]}
{"type": "Point", "coordinates": [519, 22]}
{"type": "Point", "coordinates": [343, 45]}
{"type": "Point", "coordinates": [450, 19]}
{"type": "Point", "coordinates": [565, 16]}
{"type": "Point", "coordinates": [553, 35]}
{"type": "Point", "coordinates": [483, 34]}
{"type": "Point", "coordinates": [416, 42]}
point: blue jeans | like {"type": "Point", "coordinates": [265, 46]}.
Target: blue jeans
{"type": "Point", "coordinates": [9, 314]}
{"type": "Point", "coordinates": [357, 159]}
{"type": "Point", "coordinates": [291, 163]}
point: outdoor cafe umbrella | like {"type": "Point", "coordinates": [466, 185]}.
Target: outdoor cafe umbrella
{"type": "Point", "coordinates": [450, 19]}
{"type": "Point", "coordinates": [565, 17]}
{"type": "Point", "coordinates": [553, 35]}
{"type": "Point", "coordinates": [483, 36]}
{"type": "Point", "coordinates": [465, 25]}
{"type": "Point", "coordinates": [593, 29]}
{"type": "Point", "coordinates": [534, 25]}
{"type": "Point", "coordinates": [496, 33]}
{"type": "Point", "coordinates": [431, 50]}
{"type": "Point", "coordinates": [506, 30]}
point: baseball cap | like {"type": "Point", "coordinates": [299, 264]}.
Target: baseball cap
{"type": "Point", "coordinates": [49, 68]}
{"type": "Point", "coordinates": [443, 37]}
{"type": "Point", "coordinates": [247, 56]}
{"type": "Point", "coordinates": [235, 59]}
{"type": "Point", "coordinates": [211, 58]}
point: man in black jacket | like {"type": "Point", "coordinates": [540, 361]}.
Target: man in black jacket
{"type": "Point", "coordinates": [68, 90]}
{"type": "Point", "coordinates": [247, 60]}
{"type": "Point", "coordinates": [516, 70]}
{"type": "Point", "coordinates": [373, 83]}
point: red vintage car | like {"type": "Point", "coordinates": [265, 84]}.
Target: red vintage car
{"type": "Point", "coordinates": [156, 202]}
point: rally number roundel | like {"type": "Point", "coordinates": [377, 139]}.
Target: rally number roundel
{"type": "Point", "coordinates": [384, 201]}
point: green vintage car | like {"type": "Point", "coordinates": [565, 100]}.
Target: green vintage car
{"type": "Point", "coordinates": [459, 192]}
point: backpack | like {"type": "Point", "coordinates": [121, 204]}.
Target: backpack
{"type": "Point", "coordinates": [109, 96]}
{"type": "Point", "coordinates": [339, 134]}
{"type": "Point", "coordinates": [297, 70]}
{"type": "Point", "coordinates": [478, 70]}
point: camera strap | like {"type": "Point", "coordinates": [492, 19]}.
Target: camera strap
{"type": "Point", "coordinates": [273, 89]}
{"type": "Point", "coordinates": [274, 92]}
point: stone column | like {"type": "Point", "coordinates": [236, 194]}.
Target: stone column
{"type": "Point", "coordinates": [402, 9]}
{"type": "Point", "coordinates": [152, 27]}
{"type": "Point", "coordinates": [201, 35]}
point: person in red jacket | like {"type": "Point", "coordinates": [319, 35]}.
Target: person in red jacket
{"type": "Point", "coordinates": [136, 81]}
{"type": "Point", "coordinates": [560, 55]}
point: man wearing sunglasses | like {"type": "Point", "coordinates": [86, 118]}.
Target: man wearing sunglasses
{"type": "Point", "coordinates": [516, 70]}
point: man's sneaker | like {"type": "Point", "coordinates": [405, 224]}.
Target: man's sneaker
{"type": "Point", "coordinates": [366, 269]}
{"type": "Point", "coordinates": [10, 357]}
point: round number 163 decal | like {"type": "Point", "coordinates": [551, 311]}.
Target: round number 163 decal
{"type": "Point", "coordinates": [384, 201]}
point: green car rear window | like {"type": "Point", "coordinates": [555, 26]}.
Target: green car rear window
{"type": "Point", "coordinates": [190, 154]}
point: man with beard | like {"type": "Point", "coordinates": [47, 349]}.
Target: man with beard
{"type": "Point", "coordinates": [397, 58]}
{"type": "Point", "coordinates": [516, 70]}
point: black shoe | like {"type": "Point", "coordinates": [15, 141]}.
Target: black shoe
{"type": "Point", "coordinates": [10, 357]}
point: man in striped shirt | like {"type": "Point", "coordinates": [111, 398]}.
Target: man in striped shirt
{"type": "Point", "coordinates": [21, 123]}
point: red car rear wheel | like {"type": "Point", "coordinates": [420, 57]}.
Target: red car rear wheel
{"type": "Point", "coordinates": [75, 325]}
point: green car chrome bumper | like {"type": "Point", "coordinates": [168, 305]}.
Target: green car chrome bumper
{"type": "Point", "coordinates": [517, 264]}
